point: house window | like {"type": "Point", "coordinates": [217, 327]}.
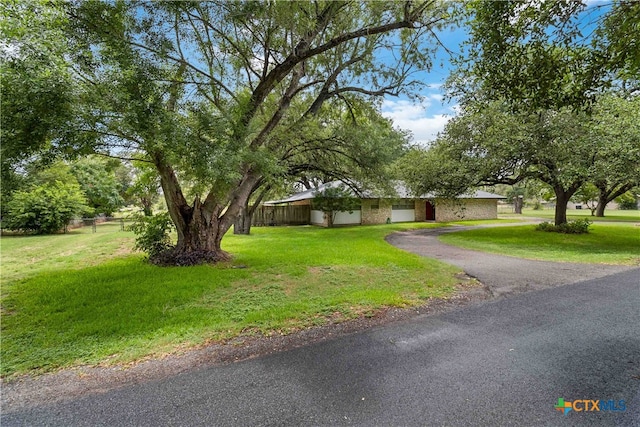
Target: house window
{"type": "Point", "coordinates": [404, 205]}
{"type": "Point", "coordinates": [375, 205]}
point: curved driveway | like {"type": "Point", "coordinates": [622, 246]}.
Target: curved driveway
{"type": "Point", "coordinates": [503, 275]}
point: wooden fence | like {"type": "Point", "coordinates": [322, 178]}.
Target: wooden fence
{"type": "Point", "coordinates": [281, 215]}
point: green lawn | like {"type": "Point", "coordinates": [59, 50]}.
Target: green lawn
{"type": "Point", "coordinates": [27, 256]}
{"type": "Point", "coordinates": [605, 244]}
{"type": "Point", "coordinates": [609, 214]}
{"type": "Point", "coordinates": [83, 298]}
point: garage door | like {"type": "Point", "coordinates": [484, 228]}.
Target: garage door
{"type": "Point", "coordinates": [403, 215]}
{"type": "Point", "coordinates": [344, 218]}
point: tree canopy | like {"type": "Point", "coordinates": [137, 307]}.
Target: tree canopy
{"type": "Point", "coordinates": [222, 97]}
{"type": "Point", "coordinates": [547, 92]}
{"type": "Point", "coordinates": [547, 55]}
{"type": "Point", "coordinates": [490, 144]}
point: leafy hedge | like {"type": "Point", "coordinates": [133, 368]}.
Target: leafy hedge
{"type": "Point", "coordinates": [579, 226]}
{"type": "Point", "coordinates": [45, 209]}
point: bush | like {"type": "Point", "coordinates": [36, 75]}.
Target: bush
{"type": "Point", "coordinates": [45, 209]}
{"type": "Point", "coordinates": [579, 226]}
{"type": "Point", "coordinates": [152, 234]}
{"type": "Point", "coordinates": [627, 202]}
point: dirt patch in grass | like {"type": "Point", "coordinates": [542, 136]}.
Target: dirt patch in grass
{"type": "Point", "coordinates": [24, 391]}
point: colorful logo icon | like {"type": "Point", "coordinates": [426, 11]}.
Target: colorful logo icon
{"type": "Point", "coordinates": [563, 406]}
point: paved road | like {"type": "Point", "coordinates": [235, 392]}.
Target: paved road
{"type": "Point", "coordinates": [503, 275]}
{"type": "Point", "coordinates": [503, 362]}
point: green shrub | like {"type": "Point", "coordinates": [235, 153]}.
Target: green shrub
{"type": "Point", "coordinates": [335, 199]}
{"type": "Point", "coordinates": [45, 209]}
{"type": "Point", "coordinates": [152, 234]}
{"type": "Point", "coordinates": [579, 226]}
{"type": "Point", "coordinates": [627, 202]}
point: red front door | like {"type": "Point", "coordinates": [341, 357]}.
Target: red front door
{"type": "Point", "coordinates": [431, 212]}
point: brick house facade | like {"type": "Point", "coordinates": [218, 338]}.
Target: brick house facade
{"type": "Point", "coordinates": [480, 205]}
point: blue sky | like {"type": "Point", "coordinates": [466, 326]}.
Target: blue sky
{"type": "Point", "coordinates": [428, 117]}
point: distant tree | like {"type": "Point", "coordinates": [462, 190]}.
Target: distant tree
{"type": "Point", "coordinates": [489, 144]}
{"type": "Point", "coordinates": [145, 189]}
{"type": "Point", "coordinates": [333, 200]}
{"type": "Point", "coordinates": [588, 196]}
{"type": "Point", "coordinates": [627, 201]}
{"type": "Point", "coordinates": [51, 199]}
{"type": "Point", "coordinates": [616, 167]}
{"type": "Point", "coordinates": [99, 185]}
{"type": "Point", "coordinates": [355, 144]}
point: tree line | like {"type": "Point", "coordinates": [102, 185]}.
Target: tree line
{"type": "Point", "coordinates": [43, 198]}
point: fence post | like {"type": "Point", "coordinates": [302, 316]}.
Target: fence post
{"type": "Point", "coordinates": [93, 225]}
{"type": "Point", "coordinates": [121, 224]}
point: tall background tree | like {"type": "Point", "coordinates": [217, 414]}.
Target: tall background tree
{"type": "Point", "coordinates": [99, 184]}
{"type": "Point", "coordinates": [144, 191]}
{"type": "Point", "coordinates": [532, 85]}
{"type": "Point", "coordinates": [36, 87]}
{"type": "Point", "coordinates": [222, 96]}
{"type": "Point", "coordinates": [616, 167]}
{"type": "Point", "coordinates": [490, 144]}
{"type": "Point", "coordinates": [353, 143]}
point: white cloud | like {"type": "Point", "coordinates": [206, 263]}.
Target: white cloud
{"type": "Point", "coordinates": [414, 117]}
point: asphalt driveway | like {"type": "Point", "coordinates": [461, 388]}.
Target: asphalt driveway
{"type": "Point", "coordinates": [503, 275]}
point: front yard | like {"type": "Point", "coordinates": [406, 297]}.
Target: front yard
{"type": "Point", "coordinates": [83, 298]}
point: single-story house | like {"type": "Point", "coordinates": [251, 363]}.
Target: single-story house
{"type": "Point", "coordinates": [375, 209]}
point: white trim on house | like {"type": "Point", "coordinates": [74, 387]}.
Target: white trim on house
{"type": "Point", "coordinates": [341, 218]}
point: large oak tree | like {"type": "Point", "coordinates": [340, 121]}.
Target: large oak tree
{"type": "Point", "coordinates": [490, 144]}
{"type": "Point", "coordinates": [218, 94]}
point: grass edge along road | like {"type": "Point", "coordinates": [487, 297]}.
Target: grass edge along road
{"type": "Point", "coordinates": [281, 280]}
{"type": "Point", "coordinates": [604, 244]}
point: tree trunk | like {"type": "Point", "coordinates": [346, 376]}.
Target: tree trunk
{"type": "Point", "coordinates": [147, 207]}
{"type": "Point", "coordinates": [242, 224]}
{"type": "Point", "coordinates": [517, 204]}
{"type": "Point", "coordinates": [200, 237]}
{"type": "Point", "coordinates": [201, 225]}
{"type": "Point", "coordinates": [562, 199]}
{"type": "Point", "coordinates": [608, 194]}
{"type": "Point", "coordinates": [200, 228]}
{"type": "Point", "coordinates": [600, 208]}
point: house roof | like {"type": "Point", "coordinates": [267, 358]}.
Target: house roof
{"type": "Point", "coordinates": [400, 189]}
